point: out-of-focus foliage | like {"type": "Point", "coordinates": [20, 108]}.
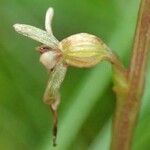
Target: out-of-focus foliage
{"type": "Point", "coordinates": [87, 98]}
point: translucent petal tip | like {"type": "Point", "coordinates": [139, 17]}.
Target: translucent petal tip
{"type": "Point", "coordinates": [21, 28]}
{"type": "Point", "coordinates": [50, 10]}
{"type": "Point", "coordinates": [17, 27]}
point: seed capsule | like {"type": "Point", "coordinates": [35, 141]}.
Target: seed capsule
{"type": "Point", "coordinates": [83, 50]}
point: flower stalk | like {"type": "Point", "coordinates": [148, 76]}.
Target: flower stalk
{"type": "Point", "coordinates": [129, 97]}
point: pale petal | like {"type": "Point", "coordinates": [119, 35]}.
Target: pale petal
{"type": "Point", "coordinates": [48, 20]}
{"type": "Point", "coordinates": [37, 34]}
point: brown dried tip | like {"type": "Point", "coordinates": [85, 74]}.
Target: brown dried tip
{"type": "Point", "coordinates": [55, 122]}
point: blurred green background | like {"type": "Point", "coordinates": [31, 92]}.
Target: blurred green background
{"type": "Point", "coordinates": [87, 99]}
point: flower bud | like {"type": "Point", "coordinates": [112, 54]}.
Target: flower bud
{"type": "Point", "coordinates": [83, 50]}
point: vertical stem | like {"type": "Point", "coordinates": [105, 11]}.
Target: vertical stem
{"type": "Point", "coordinates": [140, 49]}
{"type": "Point", "coordinates": [129, 96]}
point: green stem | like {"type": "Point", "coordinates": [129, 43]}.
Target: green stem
{"type": "Point", "coordinates": [129, 87]}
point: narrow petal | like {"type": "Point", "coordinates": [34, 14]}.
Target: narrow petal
{"type": "Point", "coordinates": [48, 20]}
{"type": "Point", "coordinates": [52, 96]}
{"type": "Point", "coordinates": [37, 34]}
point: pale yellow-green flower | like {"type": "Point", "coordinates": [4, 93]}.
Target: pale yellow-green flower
{"type": "Point", "coordinates": [79, 50]}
